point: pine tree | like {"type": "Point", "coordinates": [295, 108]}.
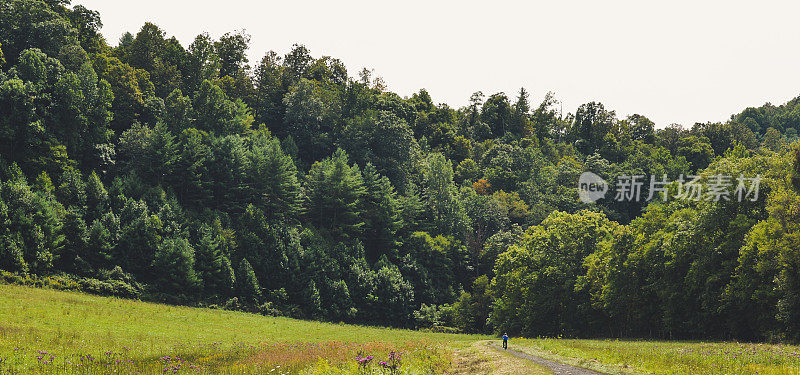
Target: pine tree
{"type": "Point", "coordinates": [140, 236]}
{"type": "Point", "coordinates": [217, 114]}
{"type": "Point", "coordinates": [174, 265]}
{"type": "Point", "coordinates": [520, 122]}
{"type": "Point", "coordinates": [102, 240]}
{"type": "Point", "coordinates": [270, 89]}
{"type": "Point", "coordinates": [11, 257]}
{"type": "Point", "coordinates": [71, 191]}
{"type": "Point", "coordinates": [213, 266]}
{"type": "Point", "coordinates": [334, 192]}
{"type": "Point", "coordinates": [247, 283]}
{"type": "Point", "coordinates": [381, 215]}
{"type": "Point", "coordinates": [311, 300]}
{"type": "Point", "coordinates": [272, 178]}
{"type": "Point", "coordinates": [96, 198]}
{"type": "Point", "coordinates": [34, 219]}
{"type": "Point", "coordinates": [69, 258]}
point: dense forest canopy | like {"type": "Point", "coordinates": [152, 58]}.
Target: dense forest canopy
{"type": "Point", "coordinates": [288, 186]}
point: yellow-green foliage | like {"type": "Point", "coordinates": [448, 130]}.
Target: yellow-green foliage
{"type": "Point", "coordinates": [89, 334]}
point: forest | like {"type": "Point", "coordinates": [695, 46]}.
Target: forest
{"type": "Point", "coordinates": [292, 186]}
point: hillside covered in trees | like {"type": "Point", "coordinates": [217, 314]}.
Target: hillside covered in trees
{"type": "Point", "coordinates": [291, 186]}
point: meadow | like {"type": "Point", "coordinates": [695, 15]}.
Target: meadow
{"type": "Point", "coordinates": [44, 331]}
{"type": "Point", "coordinates": [48, 331]}
{"type": "Point", "coordinates": [667, 357]}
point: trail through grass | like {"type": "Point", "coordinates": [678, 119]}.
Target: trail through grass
{"type": "Point", "coordinates": [479, 359]}
{"type": "Point", "coordinates": [48, 331]}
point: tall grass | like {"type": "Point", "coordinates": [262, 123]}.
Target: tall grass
{"type": "Point", "coordinates": [661, 357]}
{"type": "Point", "coordinates": [47, 331]}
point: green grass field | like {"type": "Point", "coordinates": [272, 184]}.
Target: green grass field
{"type": "Point", "coordinates": [48, 331]}
{"type": "Point", "coordinates": [660, 357]}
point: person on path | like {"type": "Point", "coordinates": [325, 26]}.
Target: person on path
{"type": "Point", "coordinates": [505, 341]}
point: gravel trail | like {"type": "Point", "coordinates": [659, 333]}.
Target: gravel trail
{"type": "Point", "coordinates": [556, 367]}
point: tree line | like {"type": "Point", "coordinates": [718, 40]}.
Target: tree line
{"type": "Point", "coordinates": [288, 186]}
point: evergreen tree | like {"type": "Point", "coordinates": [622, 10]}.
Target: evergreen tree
{"type": "Point", "coordinates": [247, 284]}
{"type": "Point", "coordinates": [272, 176]}
{"type": "Point", "coordinates": [97, 200]}
{"type": "Point", "coordinates": [75, 244]}
{"type": "Point", "coordinates": [140, 236]}
{"type": "Point", "coordinates": [213, 266]}
{"type": "Point", "coordinates": [216, 113]}
{"type": "Point", "coordinates": [334, 193]}
{"type": "Point", "coordinates": [103, 238]}
{"type": "Point", "coordinates": [11, 255]}
{"type": "Point", "coordinates": [174, 266]}
{"type": "Point", "coordinates": [268, 107]}
{"type": "Point", "coordinates": [381, 215]}
{"type": "Point", "coordinates": [34, 224]}
{"type": "Point", "coordinates": [520, 122]}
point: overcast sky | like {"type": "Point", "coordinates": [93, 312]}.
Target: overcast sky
{"type": "Point", "coordinates": [673, 61]}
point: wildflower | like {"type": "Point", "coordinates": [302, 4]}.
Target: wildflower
{"type": "Point", "coordinates": [363, 361]}
{"type": "Point", "coordinates": [394, 362]}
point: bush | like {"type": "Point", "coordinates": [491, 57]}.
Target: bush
{"type": "Point", "coordinates": [268, 309]}
{"type": "Point", "coordinates": [109, 288]}
{"type": "Point", "coordinates": [434, 318]}
{"type": "Point", "coordinates": [232, 304]}
{"type": "Point", "coordinates": [115, 288]}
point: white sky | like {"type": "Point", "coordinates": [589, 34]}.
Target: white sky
{"type": "Point", "coordinates": [673, 61]}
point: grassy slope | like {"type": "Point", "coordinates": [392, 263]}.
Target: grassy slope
{"type": "Point", "coordinates": [71, 325]}
{"type": "Point", "coordinates": [74, 324]}
{"type": "Point", "coordinates": [82, 316]}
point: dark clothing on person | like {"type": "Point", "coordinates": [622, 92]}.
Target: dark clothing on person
{"type": "Point", "coordinates": [505, 341]}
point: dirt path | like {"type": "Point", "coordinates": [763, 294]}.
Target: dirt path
{"type": "Point", "coordinates": [555, 367]}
